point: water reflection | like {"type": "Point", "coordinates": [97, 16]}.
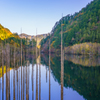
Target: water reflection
{"type": "Point", "coordinates": [45, 78]}
{"type": "Point", "coordinates": [84, 80]}
{"type": "Point", "coordinates": [84, 60]}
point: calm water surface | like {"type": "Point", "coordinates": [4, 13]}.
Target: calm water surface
{"type": "Point", "coordinates": [43, 80]}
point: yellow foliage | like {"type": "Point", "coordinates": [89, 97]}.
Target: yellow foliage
{"type": "Point", "coordinates": [79, 15]}
{"type": "Point", "coordinates": [16, 36]}
{"type": "Point", "coordinates": [84, 48]}
{"type": "Point", "coordinates": [38, 46]}
{"type": "Point", "coordinates": [87, 46]}
{"type": "Point", "coordinates": [62, 24]}
{"type": "Point", "coordinates": [68, 30]}
{"type": "Point", "coordinates": [52, 61]}
{"type": "Point", "coordinates": [52, 43]}
{"type": "Point", "coordinates": [12, 42]}
{"type": "Point", "coordinates": [4, 71]}
{"type": "Point", "coordinates": [4, 33]}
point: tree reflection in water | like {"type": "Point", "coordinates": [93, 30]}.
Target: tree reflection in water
{"type": "Point", "coordinates": [20, 81]}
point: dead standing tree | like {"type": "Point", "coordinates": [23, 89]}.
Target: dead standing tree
{"type": "Point", "coordinates": [2, 73]}
{"type": "Point", "coordinates": [62, 61]}
{"type": "Point", "coordinates": [49, 72]}
{"type": "Point", "coordinates": [39, 75]}
{"type": "Point", "coordinates": [36, 70]}
{"type": "Point", "coordinates": [7, 72]}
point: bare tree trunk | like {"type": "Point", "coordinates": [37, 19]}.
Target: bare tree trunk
{"type": "Point", "coordinates": [2, 74]}
{"type": "Point", "coordinates": [8, 73]}
{"type": "Point", "coordinates": [14, 76]}
{"type": "Point", "coordinates": [36, 71]}
{"type": "Point", "coordinates": [9, 67]}
{"type": "Point", "coordinates": [27, 74]}
{"type": "Point", "coordinates": [6, 84]}
{"type": "Point", "coordinates": [46, 74]}
{"type": "Point", "coordinates": [36, 82]}
{"type": "Point", "coordinates": [26, 84]}
{"type": "Point", "coordinates": [62, 64]}
{"type": "Point", "coordinates": [32, 79]}
{"type": "Point", "coordinates": [23, 82]}
{"type": "Point", "coordinates": [32, 82]}
{"type": "Point", "coordinates": [17, 80]}
{"type": "Point", "coordinates": [23, 77]}
{"type": "Point", "coordinates": [21, 71]}
{"type": "Point", "coordinates": [49, 72]}
{"type": "Point", "coordinates": [26, 80]}
{"type": "Point", "coordinates": [39, 77]}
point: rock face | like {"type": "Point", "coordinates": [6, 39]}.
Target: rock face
{"type": "Point", "coordinates": [38, 37]}
{"type": "Point", "coordinates": [23, 35]}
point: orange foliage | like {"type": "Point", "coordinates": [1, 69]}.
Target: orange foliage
{"type": "Point", "coordinates": [68, 30]}
{"type": "Point", "coordinates": [12, 42]}
{"type": "Point", "coordinates": [62, 24]}
{"type": "Point", "coordinates": [78, 15]}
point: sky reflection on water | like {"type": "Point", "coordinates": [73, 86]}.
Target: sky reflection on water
{"type": "Point", "coordinates": [55, 93]}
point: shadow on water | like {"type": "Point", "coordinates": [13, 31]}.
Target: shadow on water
{"type": "Point", "coordinates": [45, 79]}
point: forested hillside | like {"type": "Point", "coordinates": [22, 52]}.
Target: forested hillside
{"type": "Point", "coordinates": [13, 38]}
{"type": "Point", "coordinates": [81, 27]}
{"type": "Point", "coordinates": [4, 33]}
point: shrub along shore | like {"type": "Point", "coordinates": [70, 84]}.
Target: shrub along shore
{"type": "Point", "coordinates": [84, 49]}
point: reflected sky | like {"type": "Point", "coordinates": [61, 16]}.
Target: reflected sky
{"type": "Point", "coordinates": [69, 93]}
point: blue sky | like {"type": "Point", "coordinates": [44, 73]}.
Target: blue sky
{"type": "Point", "coordinates": [32, 14]}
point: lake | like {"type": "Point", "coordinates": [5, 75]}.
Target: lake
{"type": "Point", "coordinates": [45, 79]}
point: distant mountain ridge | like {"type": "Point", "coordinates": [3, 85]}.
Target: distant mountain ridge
{"type": "Point", "coordinates": [38, 37]}
{"type": "Point", "coordinates": [6, 36]}
{"type": "Point", "coordinates": [23, 35]}
{"type": "Point", "coordinates": [41, 36]}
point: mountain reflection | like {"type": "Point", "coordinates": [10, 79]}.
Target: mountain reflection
{"type": "Point", "coordinates": [84, 80]}
{"type": "Point", "coordinates": [39, 76]}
